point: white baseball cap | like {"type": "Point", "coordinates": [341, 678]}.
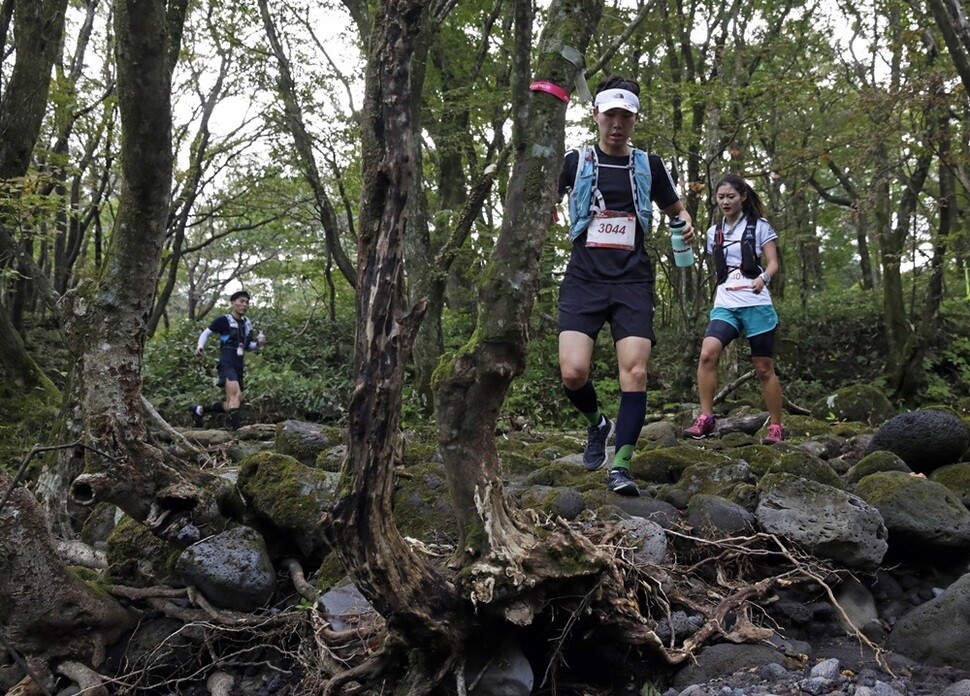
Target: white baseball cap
{"type": "Point", "coordinates": [617, 99]}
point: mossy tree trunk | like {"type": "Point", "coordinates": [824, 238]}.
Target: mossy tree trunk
{"type": "Point", "coordinates": [108, 320]}
{"type": "Point", "coordinates": [472, 393]}
{"type": "Point", "coordinates": [38, 29]}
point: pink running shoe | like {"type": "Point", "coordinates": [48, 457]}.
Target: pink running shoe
{"type": "Point", "coordinates": [775, 434]}
{"type": "Point", "coordinates": [704, 425]}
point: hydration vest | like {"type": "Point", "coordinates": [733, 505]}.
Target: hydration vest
{"type": "Point", "coordinates": [587, 178]}
{"type": "Point", "coordinates": [237, 333]}
{"type": "Point", "coordinates": [749, 260]}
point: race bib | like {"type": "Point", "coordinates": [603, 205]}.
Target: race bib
{"type": "Point", "coordinates": [613, 230]}
{"type": "Point", "coordinates": [737, 281]}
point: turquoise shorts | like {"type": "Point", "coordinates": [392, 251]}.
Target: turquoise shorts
{"type": "Point", "coordinates": [753, 320]}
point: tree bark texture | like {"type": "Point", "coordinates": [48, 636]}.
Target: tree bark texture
{"type": "Point", "coordinates": [109, 322]}
{"type": "Point", "coordinates": [407, 590]}
{"type": "Point", "coordinates": [38, 27]}
{"type": "Point", "coordinates": [47, 612]}
{"type": "Point", "coordinates": [470, 397]}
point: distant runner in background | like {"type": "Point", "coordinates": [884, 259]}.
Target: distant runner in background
{"type": "Point", "coordinates": [235, 333]}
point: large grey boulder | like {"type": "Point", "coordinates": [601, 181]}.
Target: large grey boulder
{"type": "Point", "coordinates": [921, 515]}
{"type": "Point", "coordinates": [719, 516]}
{"type": "Point", "coordinates": [829, 522]}
{"type": "Point", "coordinates": [648, 537]}
{"type": "Point", "coordinates": [938, 631]}
{"type": "Point", "coordinates": [925, 440]}
{"type": "Point", "coordinates": [305, 441]}
{"type": "Point", "coordinates": [231, 569]}
{"type": "Point", "coordinates": [861, 403]}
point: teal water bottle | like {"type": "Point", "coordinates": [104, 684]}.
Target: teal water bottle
{"type": "Point", "coordinates": [683, 254]}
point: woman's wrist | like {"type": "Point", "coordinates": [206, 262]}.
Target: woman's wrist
{"type": "Point", "coordinates": [765, 278]}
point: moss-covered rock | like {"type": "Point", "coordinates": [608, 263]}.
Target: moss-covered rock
{"type": "Point", "coordinates": [759, 457]}
{"type": "Point", "coordinates": [560, 502]}
{"type": "Point", "coordinates": [422, 506]}
{"type": "Point", "coordinates": [666, 465]}
{"type": "Point", "coordinates": [420, 447]}
{"type": "Point", "coordinates": [798, 428]}
{"type": "Point", "coordinates": [556, 446]}
{"type": "Point", "coordinates": [331, 459]}
{"type": "Point", "coordinates": [290, 498]}
{"type": "Point", "coordinates": [923, 517]}
{"type": "Point", "coordinates": [875, 462]}
{"type": "Point", "coordinates": [738, 439]}
{"type": "Point", "coordinates": [329, 574]}
{"type": "Point", "coordinates": [606, 505]}
{"type": "Point", "coordinates": [806, 466]}
{"type": "Point", "coordinates": [304, 441]}
{"type": "Point", "coordinates": [552, 474]}
{"type": "Point", "coordinates": [137, 557]}
{"type": "Point", "coordinates": [861, 402]}
{"type": "Point", "coordinates": [715, 478]}
{"type": "Point", "coordinates": [956, 477]}
{"type": "Point", "coordinates": [517, 463]}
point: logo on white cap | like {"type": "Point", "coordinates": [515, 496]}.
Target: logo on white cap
{"type": "Point", "coordinates": [617, 99]}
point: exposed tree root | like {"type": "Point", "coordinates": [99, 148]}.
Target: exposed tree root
{"type": "Point", "coordinates": [74, 552]}
{"type": "Point", "coordinates": [90, 682]}
{"type": "Point", "coordinates": [303, 588]}
{"type": "Point", "coordinates": [578, 577]}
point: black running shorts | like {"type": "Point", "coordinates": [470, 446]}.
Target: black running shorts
{"type": "Point", "coordinates": [230, 371]}
{"type": "Point", "coordinates": [585, 306]}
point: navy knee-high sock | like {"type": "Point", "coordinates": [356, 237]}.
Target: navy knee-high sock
{"type": "Point", "coordinates": [629, 421]}
{"type": "Point", "coordinates": [584, 399]}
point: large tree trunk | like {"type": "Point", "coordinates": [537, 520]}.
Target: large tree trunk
{"type": "Point", "coordinates": [472, 394]}
{"type": "Point", "coordinates": [109, 321]}
{"type": "Point", "coordinates": [39, 25]}
{"type": "Point", "coordinates": [909, 375]}
{"type": "Point", "coordinates": [407, 590]}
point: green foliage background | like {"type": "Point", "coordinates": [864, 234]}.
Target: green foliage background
{"type": "Point", "coordinates": [306, 370]}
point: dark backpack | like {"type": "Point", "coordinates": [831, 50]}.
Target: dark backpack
{"type": "Point", "coordinates": [750, 268]}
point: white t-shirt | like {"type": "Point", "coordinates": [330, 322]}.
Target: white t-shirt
{"type": "Point", "coordinates": [736, 290]}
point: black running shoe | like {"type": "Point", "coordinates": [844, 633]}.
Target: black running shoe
{"type": "Point", "coordinates": [598, 436]}
{"type": "Point", "coordinates": [620, 481]}
{"type": "Point", "coordinates": [196, 411]}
